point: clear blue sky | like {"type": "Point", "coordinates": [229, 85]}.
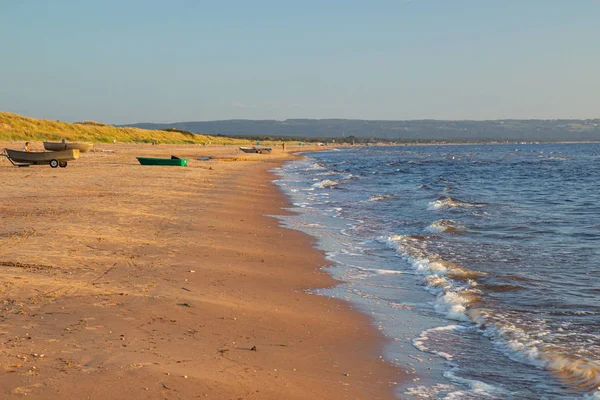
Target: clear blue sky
{"type": "Point", "coordinates": [185, 60]}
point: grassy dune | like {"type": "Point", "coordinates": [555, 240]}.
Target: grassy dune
{"type": "Point", "coordinates": [15, 127]}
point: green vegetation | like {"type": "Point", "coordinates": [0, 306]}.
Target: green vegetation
{"type": "Point", "coordinates": [16, 127]}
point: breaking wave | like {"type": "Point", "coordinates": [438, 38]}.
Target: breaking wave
{"type": "Point", "coordinates": [460, 297]}
{"type": "Point", "coordinates": [451, 202]}
{"type": "Point", "coordinates": [381, 197]}
{"type": "Point", "coordinates": [327, 183]}
{"type": "Point", "coordinates": [445, 225]}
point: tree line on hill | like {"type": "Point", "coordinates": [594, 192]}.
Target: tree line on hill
{"type": "Point", "coordinates": [347, 130]}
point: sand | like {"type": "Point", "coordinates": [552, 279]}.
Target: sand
{"type": "Point", "coordinates": [120, 281]}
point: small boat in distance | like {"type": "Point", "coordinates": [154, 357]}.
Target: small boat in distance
{"type": "Point", "coordinates": [173, 161]}
{"type": "Point", "coordinates": [259, 150]}
{"type": "Point", "coordinates": [54, 158]}
{"type": "Point", "coordinates": [57, 146]}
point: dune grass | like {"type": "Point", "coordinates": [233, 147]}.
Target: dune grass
{"type": "Point", "coordinates": [15, 127]}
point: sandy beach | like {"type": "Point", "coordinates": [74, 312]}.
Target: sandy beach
{"type": "Point", "coordinates": [121, 281]}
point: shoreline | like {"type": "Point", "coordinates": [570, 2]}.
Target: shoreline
{"type": "Point", "coordinates": [122, 281]}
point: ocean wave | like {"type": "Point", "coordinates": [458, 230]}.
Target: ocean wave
{"type": "Point", "coordinates": [314, 225]}
{"type": "Point", "coordinates": [445, 225]}
{"type": "Point", "coordinates": [419, 342]}
{"type": "Point", "coordinates": [577, 371]}
{"type": "Point", "coordinates": [327, 183]}
{"type": "Point", "coordinates": [326, 173]}
{"type": "Point", "coordinates": [455, 286]}
{"type": "Point", "coordinates": [378, 271]}
{"type": "Point", "coordinates": [451, 202]}
{"type": "Point", "coordinates": [558, 158]}
{"type": "Point", "coordinates": [501, 288]}
{"type": "Point", "coordinates": [477, 387]}
{"type": "Point", "coordinates": [381, 197]}
{"type": "Point", "coordinates": [315, 166]}
{"type": "Point", "coordinates": [459, 297]}
{"type": "Point", "coordinates": [430, 392]}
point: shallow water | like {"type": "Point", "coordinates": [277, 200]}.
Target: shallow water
{"type": "Point", "coordinates": [480, 263]}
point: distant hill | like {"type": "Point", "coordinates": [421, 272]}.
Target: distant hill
{"type": "Point", "coordinates": [416, 130]}
{"type": "Point", "coordinates": [17, 127]}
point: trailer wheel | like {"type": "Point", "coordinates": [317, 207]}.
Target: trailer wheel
{"type": "Point", "coordinates": [53, 163]}
{"type": "Point", "coordinates": [62, 164]}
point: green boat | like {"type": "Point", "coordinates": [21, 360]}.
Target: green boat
{"type": "Point", "coordinates": [174, 161]}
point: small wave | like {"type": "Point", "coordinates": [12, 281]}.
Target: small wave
{"type": "Point", "coordinates": [381, 197]}
{"type": "Point", "coordinates": [458, 294]}
{"type": "Point", "coordinates": [451, 202]}
{"type": "Point", "coordinates": [559, 158]}
{"type": "Point", "coordinates": [445, 225]}
{"type": "Point", "coordinates": [327, 183]}
{"type": "Point", "coordinates": [378, 271]}
{"type": "Point", "coordinates": [419, 342]}
{"type": "Point", "coordinates": [458, 297]}
{"type": "Point", "coordinates": [575, 370]}
{"type": "Point", "coordinates": [444, 179]}
{"type": "Point", "coordinates": [501, 288]}
{"type": "Point", "coordinates": [455, 286]}
{"type": "Point", "coordinates": [315, 166]}
{"type": "Point", "coordinates": [314, 226]}
{"type": "Point", "coordinates": [431, 392]}
{"type": "Point", "coordinates": [477, 387]}
{"type": "Point", "coordinates": [327, 173]}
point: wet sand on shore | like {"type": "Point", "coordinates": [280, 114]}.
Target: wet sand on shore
{"type": "Point", "coordinates": [122, 281]}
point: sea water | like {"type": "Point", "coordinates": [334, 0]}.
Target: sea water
{"type": "Point", "coordinates": [479, 263]}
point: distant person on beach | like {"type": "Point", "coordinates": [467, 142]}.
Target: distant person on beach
{"type": "Point", "coordinates": [283, 146]}
{"type": "Point", "coordinates": [26, 147]}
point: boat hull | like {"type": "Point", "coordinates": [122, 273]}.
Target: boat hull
{"type": "Point", "coordinates": [57, 146]}
{"type": "Point", "coordinates": [177, 162]}
{"type": "Point", "coordinates": [43, 157]}
{"type": "Point", "coordinates": [259, 150]}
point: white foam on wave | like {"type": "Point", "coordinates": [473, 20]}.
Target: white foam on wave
{"type": "Point", "coordinates": [431, 392]}
{"type": "Point", "coordinates": [378, 271]}
{"type": "Point", "coordinates": [445, 225]}
{"type": "Point", "coordinates": [314, 226]}
{"type": "Point", "coordinates": [576, 370]}
{"type": "Point", "coordinates": [327, 173]}
{"type": "Point", "coordinates": [419, 342]}
{"type": "Point", "coordinates": [450, 202]}
{"type": "Point", "coordinates": [315, 166]}
{"type": "Point", "coordinates": [455, 291]}
{"type": "Point", "coordinates": [327, 183]}
{"type": "Point", "coordinates": [380, 197]}
{"type": "Point", "coordinates": [440, 277]}
{"type": "Point", "coordinates": [477, 387]}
